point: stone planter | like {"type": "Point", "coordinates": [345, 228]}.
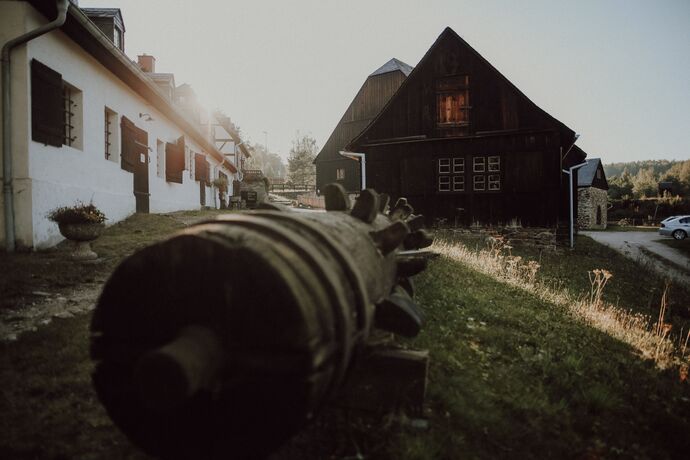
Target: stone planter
{"type": "Point", "coordinates": [82, 235]}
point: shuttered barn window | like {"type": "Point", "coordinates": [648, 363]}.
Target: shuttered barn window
{"type": "Point", "coordinates": [174, 161]}
{"type": "Point", "coordinates": [47, 108]}
{"type": "Point", "coordinates": [453, 102]}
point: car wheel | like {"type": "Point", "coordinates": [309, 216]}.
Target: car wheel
{"type": "Point", "coordinates": [679, 235]}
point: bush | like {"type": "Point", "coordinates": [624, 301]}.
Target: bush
{"type": "Point", "coordinates": [80, 213]}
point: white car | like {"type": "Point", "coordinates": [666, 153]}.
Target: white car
{"type": "Point", "coordinates": [675, 226]}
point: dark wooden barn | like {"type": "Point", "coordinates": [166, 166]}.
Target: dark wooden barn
{"type": "Point", "coordinates": [459, 140]}
{"type": "Point", "coordinates": [370, 99]}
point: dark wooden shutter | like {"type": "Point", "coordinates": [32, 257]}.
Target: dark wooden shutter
{"type": "Point", "coordinates": [129, 144]}
{"type": "Point", "coordinates": [47, 108]}
{"type": "Point", "coordinates": [201, 168]}
{"type": "Point", "coordinates": [174, 161]}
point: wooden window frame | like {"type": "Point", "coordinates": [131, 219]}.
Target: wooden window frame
{"type": "Point", "coordinates": [444, 184]}
{"type": "Point", "coordinates": [458, 165]}
{"type": "Point", "coordinates": [459, 183]}
{"type": "Point", "coordinates": [493, 163]}
{"type": "Point", "coordinates": [494, 183]}
{"type": "Point", "coordinates": [479, 179]}
{"type": "Point", "coordinates": [445, 164]}
{"type": "Point", "coordinates": [68, 104]}
{"type": "Point", "coordinates": [476, 164]}
{"type": "Point", "coordinates": [453, 87]}
{"type": "Point", "coordinates": [340, 174]}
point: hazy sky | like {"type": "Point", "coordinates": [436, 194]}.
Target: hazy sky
{"type": "Point", "coordinates": [616, 72]}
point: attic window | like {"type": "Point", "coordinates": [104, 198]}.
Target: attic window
{"type": "Point", "coordinates": [453, 102]}
{"type": "Point", "coordinates": [598, 173]}
{"type": "Point", "coordinates": [117, 38]}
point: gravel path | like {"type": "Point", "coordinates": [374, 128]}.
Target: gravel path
{"type": "Point", "coordinates": [634, 244]}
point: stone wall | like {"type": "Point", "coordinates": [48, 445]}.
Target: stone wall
{"type": "Point", "coordinates": [588, 200]}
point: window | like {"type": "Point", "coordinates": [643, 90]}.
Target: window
{"type": "Point", "coordinates": [444, 183]}
{"type": "Point", "coordinates": [72, 116]}
{"type": "Point", "coordinates": [451, 174]}
{"type": "Point", "coordinates": [453, 102]}
{"type": "Point", "coordinates": [494, 164]}
{"type": "Point", "coordinates": [340, 173]}
{"type": "Point", "coordinates": [111, 135]}
{"type": "Point", "coordinates": [598, 173]}
{"type": "Point", "coordinates": [486, 173]}
{"type": "Point", "coordinates": [478, 164]}
{"type": "Point", "coordinates": [117, 38]}
{"type": "Point", "coordinates": [458, 183]}
{"type": "Point", "coordinates": [458, 165]}
{"type": "Point", "coordinates": [444, 165]}
{"type": "Point", "coordinates": [479, 182]}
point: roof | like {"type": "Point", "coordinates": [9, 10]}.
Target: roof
{"type": "Point", "coordinates": [392, 66]}
{"type": "Point", "coordinates": [80, 29]}
{"type": "Point", "coordinates": [448, 32]}
{"type": "Point", "coordinates": [105, 13]}
{"type": "Point", "coordinates": [354, 121]}
{"type": "Point", "coordinates": [585, 176]}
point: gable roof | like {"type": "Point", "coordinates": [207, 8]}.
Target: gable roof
{"type": "Point", "coordinates": [450, 33]}
{"type": "Point", "coordinates": [392, 66]}
{"type": "Point", "coordinates": [80, 29]}
{"type": "Point", "coordinates": [585, 176]}
{"type": "Point", "coordinates": [353, 122]}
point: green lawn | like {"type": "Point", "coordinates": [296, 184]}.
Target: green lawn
{"type": "Point", "coordinates": [510, 377]}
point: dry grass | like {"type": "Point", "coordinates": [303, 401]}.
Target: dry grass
{"type": "Point", "coordinates": [652, 340]}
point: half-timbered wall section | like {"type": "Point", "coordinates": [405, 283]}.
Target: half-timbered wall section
{"type": "Point", "coordinates": [372, 96]}
{"type": "Point", "coordinates": [461, 141]}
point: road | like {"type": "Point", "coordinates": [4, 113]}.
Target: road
{"type": "Point", "coordinates": [629, 244]}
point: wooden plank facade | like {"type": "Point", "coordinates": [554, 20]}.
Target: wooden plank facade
{"type": "Point", "coordinates": [461, 141]}
{"type": "Point", "coordinates": [370, 99]}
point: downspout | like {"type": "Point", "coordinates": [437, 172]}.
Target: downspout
{"type": "Point", "coordinates": [8, 193]}
{"type": "Point", "coordinates": [569, 172]}
{"type": "Point", "coordinates": [362, 164]}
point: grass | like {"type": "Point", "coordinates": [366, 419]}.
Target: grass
{"type": "Point", "coordinates": [681, 245]}
{"type": "Point", "coordinates": [513, 374]}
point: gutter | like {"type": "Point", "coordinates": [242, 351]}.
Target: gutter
{"type": "Point", "coordinates": [8, 192]}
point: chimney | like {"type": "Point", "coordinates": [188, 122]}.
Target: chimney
{"type": "Point", "coordinates": [147, 63]}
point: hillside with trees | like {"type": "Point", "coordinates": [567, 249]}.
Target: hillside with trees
{"type": "Point", "coordinates": [640, 179]}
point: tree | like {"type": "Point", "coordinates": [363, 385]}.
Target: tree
{"type": "Point", "coordinates": [301, 168]}
{"type": "Point", "coordinates": [270, 163]}
{"type": "Point", "coordinates": [645, 183]}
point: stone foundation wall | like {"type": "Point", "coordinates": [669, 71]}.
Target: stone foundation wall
{"type": "Point", "coordinates": [539, 237]}
{"type": "Point", "coordinates": [588, 199]}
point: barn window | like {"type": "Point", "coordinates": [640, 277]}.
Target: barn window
{"type": "Point", "coordinates": [458, 165]}
{"type": "Point", "coordinates": [444, 183]}
{"type": "Point", "coordinates": [494, 164]}
{"type": "Point", "coordinates": [494, 182]}
{"type": "Point", "coordinates": [478, 164]}
{"type": "Point", "coordinates": [598, 173]}
{"type": "Point", "coordinates": [453, 101]}
{"type": "Point", "coordinates": [458, 183]}
{"type": "Point", "coordinates": [444, 165]}
{"type": "Point", "coordinates": [486, 173]}
{"type": "Point", "coordinates": [340, 173]}
{"type": "Point", "coordinates": [451, 174]}
{"type": "Point", "coordinates": [479, 182]}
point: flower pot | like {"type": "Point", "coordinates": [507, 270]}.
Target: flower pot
{"type": "Point", "coordinates": [82, 235]}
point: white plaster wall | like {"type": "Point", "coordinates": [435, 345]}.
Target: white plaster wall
{"type": "Point", "coordinates": [61, 176]}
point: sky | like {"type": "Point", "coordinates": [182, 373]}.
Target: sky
{"type": "Point", "coordinates": [615, 71]}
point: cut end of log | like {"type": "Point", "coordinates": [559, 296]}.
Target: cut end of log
{"type": "Point", "coordinates": [336, 198]}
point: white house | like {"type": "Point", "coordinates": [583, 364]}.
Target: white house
{"type": "Point", "coordinates": [86, 123]}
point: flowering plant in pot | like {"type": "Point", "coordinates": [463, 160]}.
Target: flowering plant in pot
{"type": "Point", "coordinates": [81, 223]}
